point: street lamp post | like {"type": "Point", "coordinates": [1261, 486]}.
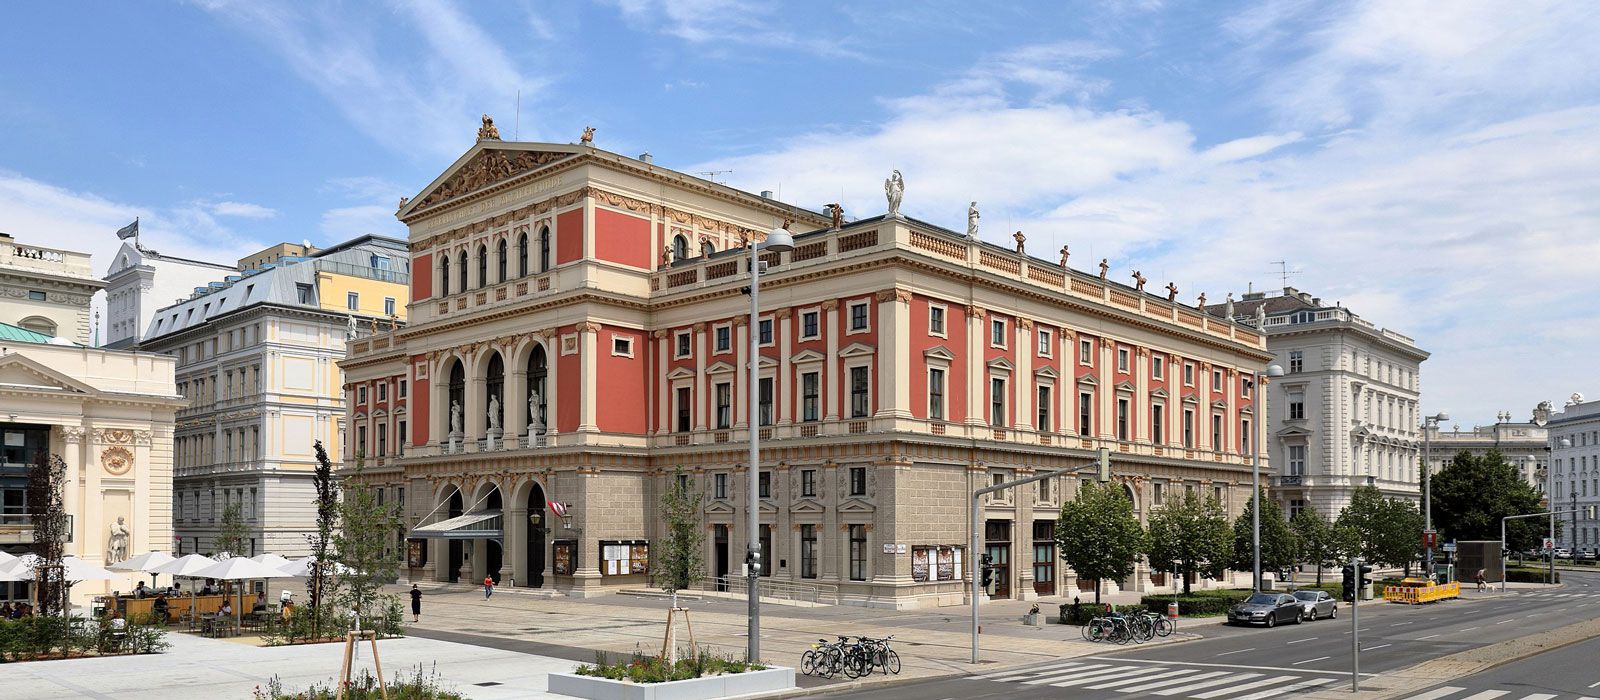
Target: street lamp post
{"type": "Point", "coordinates": [1429, 424]}
{"type": "Point", "coordinates": [777, 241]}
{"type": "Point", "coordinates": [1541, 416]}
{"type": "Point", "coordinates": [1255, 479]}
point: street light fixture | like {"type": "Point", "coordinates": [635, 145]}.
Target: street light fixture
{"type": "Point", "coordinates": [1255, 480]}
{"type": "Point", "coordinates": [778, 241]}
{"type": "Point", "coordinates": [1429, 424]}
{"type": "Point", "coordinates": [1541, 416]}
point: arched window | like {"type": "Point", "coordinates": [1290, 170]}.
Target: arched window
{"type": "Point", "coordinates": [494, 387]}
{"type": "Point", "coordinates": [39, 324]}
{"type": "Point", "coordinates": [483, 265]}
{"type": "Point", "coordinates": [537, 395]}
{"type": "Point", "coordinates": [500, 261]}
{"type": "Point", "coordinates": [461, 268]}
{"type": "Point", "coordinates": [458, 393]}
{"type": "Point", "coordinates": [522, 255]}
{"type": "Point", "coordinates": [680, 247]}
{"type": "Point", "coordinates": [444, 274]}
{"type": "Point", "coordinates": [544, 249]}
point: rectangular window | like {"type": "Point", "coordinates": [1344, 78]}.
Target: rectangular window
{"type": "Point", "coordinates": [388, 306]}
{"type": "Point", "coordinates": [724, 335]}
{"type": "Point", "coordinates": [1188, 428]}
{"type": "Point", "coordinates": [764, 331]}
{"type": "Point", "coordinates": [400, 436]}
{"type": "Point", "coordinates": [1044, 490]}
{"type": "Point", "coordinates": [1246, 385]}
{"type": "Point", "coordinates": [860, 400]}
{"type": "Point", "coordinates": [1216, 380]}
{"type": "Point", "coordinates": [685, 410]}
{"type": "Point", "coordinates": [1044, 410]}
{"type": "Point", "coordinates": [808, 325]}
{"type": "Point", "coordinates": [1244, 435]}
{"type": "Point", "coordinates": [361, 442]}
{"type": "Point", "coordinates": [383, 391]}
{"type": "Point", "coordinates": [858, 553]}
{"type": "Point", "coordinates": [1157, 493]}
{"type": "Point", "coordinates": [1044, 342]}
{"type": "Point", "coordinates": [622, 346]}
{"type": "Point", "coordinates": [1297, 405]}
{"type": "Point", "coordinates": [383, 441]}
{"type": "Point", "coordinates": [719, 485]}
{"type": "Point", "coordinates": [352, 301]}
{"type": "Point", "coordinates": [997, 401]}
{"type": "Point", "coordinates": [1297, 460]}
{"type": "Point", "coordinates": [936, 394]}
{"type": "Point", "coordinates": [303, 293]}
{"type": "Point", "coordinates": [1158, 366]}
{"type": "Point", "coordinates": [764, 485]}
{"type": "Point", "coordinates": [858, 316]}
{"type": "Point", "coordinates": [361, 395]}
{"type": "Point", "coordinates": [997, 332]}
{"type": "Point", "coordinates": [808, 482]}
{"type": "Point", "coordinates": [1158, 424]}
{"type": "Point", "coordinates": [1085, 413]}
{"type": "Point", "coordinates": [1122, 420]}
{"type": "Point", "coordinates": [402, 392]}
{"type": "Point", "coordinates": [936, 320]}
{"type": "Point", "coordinates": [684, 342]}
{"type": "Point", "coordinates": [808, 396]}
{"type": "Point", "coordinates": [1085, 352]}
{"type": "Point", "coordinates": [764, 394]}
{"type": "Point", "coordinates": [1216, 432]}
{"type": "Point", "coordinates": [858, 481]}
{"type": "Point", "coordinates": [1297, 361]}
{"type": "Point", "coordinates": [808, 551]}
{"type": "Point", "coordinates": [1122, 360]}
{"type": "Point", "coordinates": [35, 295]}
{"type": "Point", "coordinates": [724, 405]}
{"type": "Point", "coordinates": [1188, 374]}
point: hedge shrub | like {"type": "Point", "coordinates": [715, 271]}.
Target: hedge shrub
{"type": "Point", "coordinates": [1530, 575]}
{"type": "Point", "coordinates": [1197, 603]}
{"type": "Point", "coordinates": [1081, 614]}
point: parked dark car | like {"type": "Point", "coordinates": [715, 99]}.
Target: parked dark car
{"type": "Point", "coordinates": [1266, 609]}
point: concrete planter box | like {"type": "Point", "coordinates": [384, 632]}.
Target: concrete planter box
{"type": "Point", "coordinates": [724, 686]}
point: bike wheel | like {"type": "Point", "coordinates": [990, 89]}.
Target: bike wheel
{"type": "Point", "coordinates": [1165, 627]}
{"type": "Point", "coordinates": [808, 662]}
{"type": "Point", "coordinates": [892, 662]}
{"type": "Point", "coordinates": [852, 665]}
{"type": "Point", "coordinates": [830, 663]}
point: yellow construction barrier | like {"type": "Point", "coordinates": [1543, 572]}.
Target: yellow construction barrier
{"type": "Point", "coordinates": [1414, 591]}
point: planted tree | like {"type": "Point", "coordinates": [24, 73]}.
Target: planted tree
{"type": "Point", "coordinates": [1472, 493]}
{"type": "Point", "coordinates": [1191, 536]}
{"type": "Point", "coordinates": [1320, 543]}
{"type": "Point", "coordinates": [1382, 531]}
{"type": "Point", "coordinates": [678, 562]}
{"type": "Point", "coordinates": [1097, 534]}
{"type": "Point", "coordinates": [366, 527]}
{"type": "Point", "coordinates": [321, 541]}
{"type": "Point", "coordinates": [1277, 540]}
{"type": "Point", "coordinates": [234, 535]}
{"type": "Point", "coordinates": [47, 514]}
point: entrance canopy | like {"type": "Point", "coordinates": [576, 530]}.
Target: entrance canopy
{"type": "Point", "coordinates": [472, 526]}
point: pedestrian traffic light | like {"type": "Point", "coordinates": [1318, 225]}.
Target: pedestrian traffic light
{"type": "Point", "coordinates": [1105, 464]}
{"type": "Point", "coordinates": [1366, 575]}
{"type": "Point", "coordinates": [988, 572]}
{"type": "Point", "coordinates": [1349, 583]}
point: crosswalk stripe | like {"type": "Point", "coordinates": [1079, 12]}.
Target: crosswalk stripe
{"type": "Point", "coordinates": [1009, 673]}
{"type": "Point", "coordinates": [1191, 687]}
{"type": "Point", "coordinates": [1095, 669]}
{"type": "Point", "coordinates": [1486, 695]}
{"type": "Point", "coordinates": [1246, 686]}
{"type": "Point", "coordinates": [1272, 692]}
{"type": "Point", "coordinates": [1094, 677]}
{"type": "Point", "coordinates": [1174, 681]}
{"type": "Point", "coordinates": [1538, 696]}
{"type": "Point", "coordinates": [1437, 693]}
{"type": "Point", "coordinates": [1143, 677]}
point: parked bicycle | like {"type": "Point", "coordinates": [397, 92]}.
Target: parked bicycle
{"type": "Point", "coordinates": [824, 659]}
{"type": "Point", "coordinates": [861, 657]}
{"type": "Point", "coordinates": [1122, 628]}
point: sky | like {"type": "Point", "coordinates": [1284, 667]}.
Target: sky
{"type": "Point", "coordinates": [1433, 167]}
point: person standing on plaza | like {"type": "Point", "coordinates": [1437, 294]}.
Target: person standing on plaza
{"type": "Point", "coordinates": [488, 587]}
{"type": "Point", "coordinates": [416, 603]}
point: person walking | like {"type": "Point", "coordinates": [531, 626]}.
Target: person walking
{"type": "Point", "coordinates": [488, 587]}
{"type": "Point", "coordinates": [416, 603]}
{"type": "Point", "coordinates": [1480, 579]}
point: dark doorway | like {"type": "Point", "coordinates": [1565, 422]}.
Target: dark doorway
{"type": "Point", "coordinates": [537, 528]}
{"type": "Point", "coordinates": [1044, 557]}
{"type": "Point", "coordinates": [997, 536]}
{"type": "Point", "coordinates": [769, 561]}
{"type": "Point", "coordinates": [455, 545]}
{"type": "Point", "coordinates": [494, 553]}
{"type": "Point", "coordinates": [721, 547]}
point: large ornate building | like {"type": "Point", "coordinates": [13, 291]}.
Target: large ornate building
{"type": "Point", "coordinates": [1574, 435]}
{"type": "Point", "coordinates": [1345, 415]}
{"type": "Point", "coordinates": [1524, 446]}
{"type": "Point", "coordinates": [257, 355]}
{"type": "Point", "coordinates": [140, 280]}
{"type": "Point", "coordinates": [577, 335]}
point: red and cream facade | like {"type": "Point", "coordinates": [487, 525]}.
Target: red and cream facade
{"type": "Point", "coordinates": [902, 366]}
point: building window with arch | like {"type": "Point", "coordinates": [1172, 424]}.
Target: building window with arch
{"type": "Point", "coordinates": [680, 247]}
{"type": "Point", "coordinates": [538, 373]}
{"type": "Point", "coordinates": [544, 249]}
{"type": "Point", "coordinates": [444, 275]}
{"type": "Point", "coordinates": [522, 254]}
{"type": "Point", "coordinates": [494, 387]}
{"type": "Point", "coordinates": [500, 260]}
{"type": "Point", "coordinates": [483, 266]}
{"type": "Point", "coordinates": [461, 269]}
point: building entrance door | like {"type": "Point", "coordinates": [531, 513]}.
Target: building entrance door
{"type": "Point", "coordinates": [721, 547]}
{"type": "Point", "coordinates": [997, 534]}
{"type": "Point", "coordinates": [537, 529]}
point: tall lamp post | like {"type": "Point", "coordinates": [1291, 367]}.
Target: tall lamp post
{"type": "Point", "coordinates": [778, 241]}
{"type": "Point", "coordinates": [1541, 416]}
{"type": "Point", "coordinates": [1255, 479]}
{"type": "Point", "coordinates": [1429, 424]}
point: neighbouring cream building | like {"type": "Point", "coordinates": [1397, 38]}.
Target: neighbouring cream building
{"type": "Point", "coordinates": [1521, 443]}
{"type": "Point", "coordinates": [1345, 414]}
{"type": "Point", "coordinates": [1574, 440]}
{"type": "Point", "coordinates": [139, 280]}
{"type": "Point", "coordinates": [46, 290]}
{"type": "Point", "coordinates": [577, 334]}
{"type": "Point", "coordinates": [257, 355]}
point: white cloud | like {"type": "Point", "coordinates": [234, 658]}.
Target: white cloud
{"type": "Point", "coordinates": [716, 24]}
{"type": "Point", "coordinates": [242, 210]}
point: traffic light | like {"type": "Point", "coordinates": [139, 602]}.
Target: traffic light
{"type": "Point", "coordinates": [1349, 583]}
{"type": "Point", "coordinates": [753, 558]}
{"type": "Point", "coordinates": [988, 573]}
{"type": "Point", "coordinates": [1366, 574]}
{"type": "Point", "coordinates": [1105, 464]}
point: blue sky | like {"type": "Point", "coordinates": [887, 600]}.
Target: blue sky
{"type": "Point", "coordinates": [1434, 168]}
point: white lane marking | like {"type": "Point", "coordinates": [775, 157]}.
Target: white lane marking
{"type": "Point", "coordinates": [1231, 667]}
{"type": "Point", "coordinates": [1505, 621]}
{"type": "Point", "coordinates": [1397, 624]}
{"type": "Point", "coordinates": [1017, 673]}
{"type": "Point", "coordinates": [1140, 678]}
{"type": "Point", "coordinates": [1591, 685]}
{"type": "Point", "coordinates": [1302, 685]}
{"type": "Point", "coordinates": [1538, 696]}
{"type": "Point", "coordinates": [1380, 646]}
{"type": "Point", "coordinates": [1236, 651]}
{"type": "Point", "coordinates": [1085, 677]}
{"type": "Point", "coordinates": [1469, 629]}
{"type": "Point", "coordinates": [1437, 693]}
{"type": "Point", "coordinates": [1058, 675]}
{"type": "Point", "coordinates": [1095, 677]}
{"type": "Point", "coordinates": [1246, 686]}
{"type": "Point", "coordinates": [1175, 681]}
{"type": "Point", "coordinates": [1228, 678]}
{"type": "Point", "coordinates": [1486, 695]}
{"type": "Point", "coordinates": [1431, 636]}
{"type": "Point", "coordinates": [1307, 661]}
{"type": "Point", "coordinates": [1297, 641]}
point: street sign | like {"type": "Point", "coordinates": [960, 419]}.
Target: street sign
{"type": "Point", "coordinates": [1549, 544]}
{"type": "Point", "coordinates": [1449, 546]}
{"type": "Point", "coordinates": [1430, 538]}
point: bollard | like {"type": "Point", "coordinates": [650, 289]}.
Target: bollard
{"type": "Point", "coordinates": [1172, 610]}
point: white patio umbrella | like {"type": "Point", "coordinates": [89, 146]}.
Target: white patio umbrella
{"type": "Point", "coordinates": [76, 569]}
{"type": "Point", "coordinates": [6, 557]}
{"type": "Point", "coordinates": [272, 560]}
{"type": "Point", "coordinates": [301, 568]}
{"type": "Point", "coordinates": [239, 569]}
{"type": "Point", "coordinates": [143, 563]}
{"type": "Point", "coordinates": [186, 566]}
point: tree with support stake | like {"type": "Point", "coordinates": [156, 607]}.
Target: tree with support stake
{"type": "Point", "coordinates": [678, 563]}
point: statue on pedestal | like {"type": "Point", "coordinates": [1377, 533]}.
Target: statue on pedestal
{"type": "Point", "coordinates": [1105, 267]}
{"type": "Point", "coordinates": [836, 211]}
{"type": "Point", "coordinates": [494, 413]}
{"type": "Point", "coordinates": [972, 220]}
{"type": "Point", "coordinates": [1172, 292]}
{"type": "Point", "coordinates": [1065, 253]}
{"type": "Point", "coordinates": [1022, 242]}
{"type": "Point", "coordinates": [535, 421]}
{"type": "Point", "coordinates": [1138, 281]}
{"type": "Point", "coordinates": [894, 189]}
{"type": "Point", "coordinates": [1228, 310]}
{"type": "Point", "coordinates": [488, 130]}
{"type": "Point", "coordinates": [117, 542]}
{"type": "Point", "coordinates": [455, 417]}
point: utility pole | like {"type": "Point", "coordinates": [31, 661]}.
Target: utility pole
{"type": "Point", "coordinates": [1355, 630]}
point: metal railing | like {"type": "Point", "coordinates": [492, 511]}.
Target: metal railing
{"type": "Point", "coordinates": [778, 589]}
{"type": "Point", "coordinates": [341, 268]}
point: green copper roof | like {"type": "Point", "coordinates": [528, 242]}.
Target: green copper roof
{"type": "Point", "coordinates": [17, 334]}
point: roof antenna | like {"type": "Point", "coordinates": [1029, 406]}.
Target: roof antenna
{"type": "Point", "coordinates": [1284, 271]}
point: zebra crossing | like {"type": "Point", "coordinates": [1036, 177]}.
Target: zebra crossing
{"type": "Point", "coordinates": [1166, 680]}
{"type": "Point", "coordinates": [1560, 595]}
{"type": "Point", "coordinates": [1451, 692]}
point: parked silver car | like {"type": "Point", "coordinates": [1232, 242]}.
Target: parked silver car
{"type": "Point", "coordinates": [1266, 609]}
{"type": "Point", "coordinates": [1315, 604]}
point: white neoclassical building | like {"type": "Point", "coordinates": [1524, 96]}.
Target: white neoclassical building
{"type": "Point", "coordinates": [1345, 414]}
{"type": "Point", "coordinates": [139, 281]}
{"type": "Point", "coordinates": [1575, 471]}
{"type": "Point", "coordinates": [46, 290]}
{"type": "Point", "coordinates": [1521, 443]}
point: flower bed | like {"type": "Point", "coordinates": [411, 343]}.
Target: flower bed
{"type": "Point", "coordinates": [419, 685]}
{"type": "Point", "coordinates": [700, 674]}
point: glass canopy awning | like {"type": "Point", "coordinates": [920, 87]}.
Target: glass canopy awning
{"type": "Point", "coordinates": [484, 524]}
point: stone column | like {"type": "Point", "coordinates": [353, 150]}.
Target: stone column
{"type": "Point", "coordinates": [741, 373]}
{"type": "Point", "coordinates": [474, 409]}
{"type": "Point", "coordinates": [1106, 394]}
{"type": "Point", "coordinates": [663, 394]}
{"type": "Point", "coordinates": [831, 375]}
{"type": "Point", "coordinates": [588, 362]}
{"type": "Point", "coordinates": [515, 403]}
{"type": "Point", "coordinates": [701, 392]}
{"type": "Point", "coordinates": [514, 551]}
{"type": "Point", "coordinates": [893, 360]}
{"type": "Point", "coordinates": [1022, 389]}
{"type": "Point", "coordinates": [831, 535]}
{"type": "Point", "coordinates": [586, 580]}
{"type": "Point", "coordinates": [1139, 407]}
{"type": "Point", "coordinates": [1022, 536]}
{"type": "Point", "coordinates": [1203, 384]}
{"type": "Point", "coordinates": [552, 347]}
{"type": "Point", "coordinates": [977, 379]}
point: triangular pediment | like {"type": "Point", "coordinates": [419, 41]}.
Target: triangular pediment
{"type": "Point", "coordinates": [680, 373]}
{"type": "Point", "coordinates": [1088, 380]}
{"type": "Point", "coordinates": [768, 507]}
{"type": "Point", "coordinates": [766, 362]}
{"type": "Point", "coordinates": [857, 350]}
{"type": "Point", "coordinates": [1294, 431]}
{"type": "Point", "coordinates": [18, 371]}
{"type": "Point", "coordinates": [1001, 363]}
{"type": "Point", "coordinates": [719, 367]}
{"type": "Point", "coordinates": [1125, 386]}
{"type": "Point", "coordinates": [807, 505]}
{"type": "Point", "coordinates": [807, 355]}
{"type": "Point", "coordinates": [1219, 403]}
{"type": "Point", "coordinates": [719, 507]}
{"type": "Point", "coordinates": [1046, 372]}
{"type": "Point", "coordinates": [486, 164]}
{"type": "Point", "coordinates": [856, 505]}
{"type": "Point", "coordinates": [939, 352]}
{"type": "Point", "coordinates": [1158, 394]}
